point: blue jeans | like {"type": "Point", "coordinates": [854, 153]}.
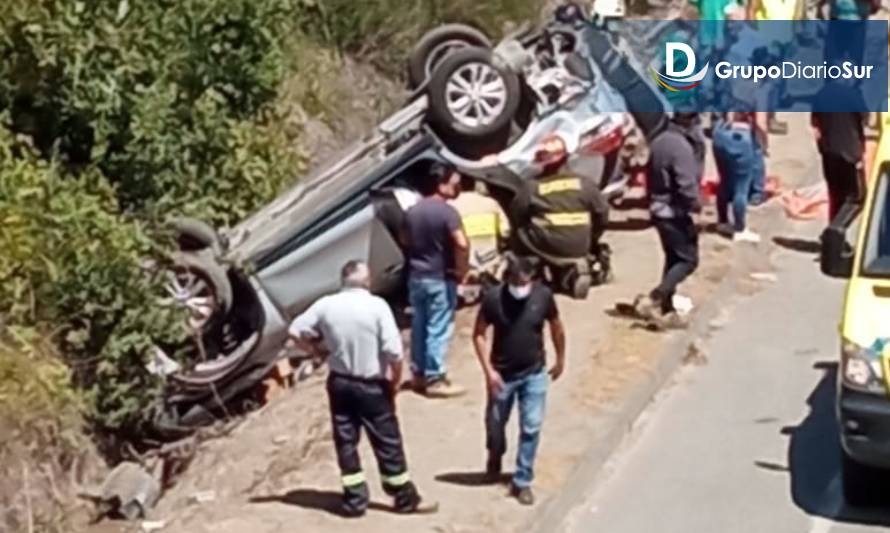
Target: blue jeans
{"type": "Point", "coordinates": [758, 180]}
{"type": "Point", "coordinates": [532, 394]}
{"type": "Point", "coordinates": [735, 155]}
{"type": "Point", "coordinates": [434, 302]}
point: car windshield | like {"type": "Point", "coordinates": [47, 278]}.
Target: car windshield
{"type": "Point", "coordinates": [876, 260]}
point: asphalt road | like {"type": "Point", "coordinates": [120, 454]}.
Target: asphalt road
{"type": "Point", "coordinates": [746, 442]}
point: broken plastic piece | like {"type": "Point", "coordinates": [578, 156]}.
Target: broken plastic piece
{"type": "Point", "coordinates": [764, 276]}
{"type": "Point", "coordinates": [161, 364]}
{"type": "Point", "coordinates": [206, 496]}
{"type": "Point", "coordinates": [128, 492]}
{"type": "Point", "coordinates": [153, 525]}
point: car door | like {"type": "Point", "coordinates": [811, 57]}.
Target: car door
{"type": "Point", "coordinates": [385, 259]}
{"type": "Point", "coordinates": [312, 269]}
{"type": "Point", "coordinates": [307, 265]}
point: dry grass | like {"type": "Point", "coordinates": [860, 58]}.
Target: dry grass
{"type": "Point", "coordinates": [43, 443]}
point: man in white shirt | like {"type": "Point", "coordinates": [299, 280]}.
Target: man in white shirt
{"type": "Point", "coordinates": [364, 350]}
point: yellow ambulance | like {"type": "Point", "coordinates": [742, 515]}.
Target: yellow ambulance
{"type": "Point", "coordinates": [863, 401]}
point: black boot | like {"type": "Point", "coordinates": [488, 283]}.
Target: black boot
{"type": "Point", "coordinates": [407, 500]}
{"type": "Point", "coordinates": [601, 264]}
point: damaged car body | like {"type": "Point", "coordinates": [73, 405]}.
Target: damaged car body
{"type": "Point", "coordinates": [242, 288]}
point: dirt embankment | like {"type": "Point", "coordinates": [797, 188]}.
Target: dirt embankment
{"type": "Point", "coordinates": [42, 474]}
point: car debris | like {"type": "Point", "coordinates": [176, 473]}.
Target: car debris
{"type": "Point", "coordinates": [280, 439]}
{"type": "Point", "coordinates": [206, 496]}
{"type": "Point", "coordinates": [279, 380]}
{"type": "Point", "coordinates": [161, 364]}
{"type": "Point", "coordinates": [149, 526]}
{"type": "Point", "coordinates": [128, 492]}
{"type": "Point", "coordinates": [767, 277]}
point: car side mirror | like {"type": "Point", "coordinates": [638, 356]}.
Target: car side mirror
{"type": "Point", "coordinates": [836, 257]}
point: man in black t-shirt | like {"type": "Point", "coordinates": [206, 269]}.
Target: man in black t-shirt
{"type": "Point", "coordinates": [841, 141]}
{"type": "Point", "coordinates": [515, 367]}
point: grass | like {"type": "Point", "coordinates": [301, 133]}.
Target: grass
{"type": "Point", "coordinates": [42, 434]}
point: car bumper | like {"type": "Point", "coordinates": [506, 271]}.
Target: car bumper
{"type": "Point", "coordinates": [865, 427]}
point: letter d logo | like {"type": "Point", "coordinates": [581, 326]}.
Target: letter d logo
{"type": "Point", "coordinates": [674, 80]}
{"type": "Point", "coordinates": [670, 50]}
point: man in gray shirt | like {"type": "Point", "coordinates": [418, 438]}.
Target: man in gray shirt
{"type": "Point", "coordinates": [358, 332]}
{"type": "Point", "coordinates": [675, 169]}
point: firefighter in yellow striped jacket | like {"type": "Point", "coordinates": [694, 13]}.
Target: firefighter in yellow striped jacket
{"type": "Point", "coordinates": [561, 217]}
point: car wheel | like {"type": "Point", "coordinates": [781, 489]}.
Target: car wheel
{"type": "Point", "coordinates": [581, 286]}
{"type": "Point", "coordinates": [436, 45]}
{"type": "Point", "coordinates": [198, 285]}
{"type": "Point", "coordinates": [193, 235]}
{"type": "Point", "coordinates": [860, 482]}
{"type": "Point", "coordinates": [471, 98]}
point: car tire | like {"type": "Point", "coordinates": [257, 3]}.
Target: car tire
{"type": "Point", "coordinates": [196, 274]}
{"type": "Point", "coordinates": [436, 45]}
{"type": "Point", "coordinates": [860, 482]}
{"type": "Point", "coordinates": [487, 117]}
{"type": "Point", "coordinates": [581, 286]}
{"type": "Point", "coordinates": [193, 235]}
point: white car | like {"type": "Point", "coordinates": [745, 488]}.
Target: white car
{"type": "Point", "coordinates": [241, 287]}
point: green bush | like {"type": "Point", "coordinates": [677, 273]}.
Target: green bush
{"type": "Point", "coordinates": [72, 270]}
{"type": "Point", "coordinates": [150, 92]}
{"type": "Point", "coordinates": [38, 406]}
{"type": "Point", "coordinates": [116, 116]}
{"type": "Point", "coordinates": [384, 31]}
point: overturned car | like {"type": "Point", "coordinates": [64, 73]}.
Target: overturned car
{"type": "Point", "coordinates": [484, 110]}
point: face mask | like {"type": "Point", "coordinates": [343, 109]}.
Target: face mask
{"type": "Point", "coordinates": [520, 292]}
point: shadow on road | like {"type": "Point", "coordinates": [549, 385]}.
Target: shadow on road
{"type": "Point", "coordinates": [814, 459]}
{"type": "Point", "coordinates": [471, 479]}
{"type": "Point", "coordinates": [795, 244]}
{"type": "Point", "coordinates": [318, 500]}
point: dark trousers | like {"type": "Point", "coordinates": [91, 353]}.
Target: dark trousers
{"type": "Point", "coordinates": [843, 181]}
{"type": "Point", "coordinates": [679, 240]}
{"type": "Point", "coordinates": [355, 404]}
